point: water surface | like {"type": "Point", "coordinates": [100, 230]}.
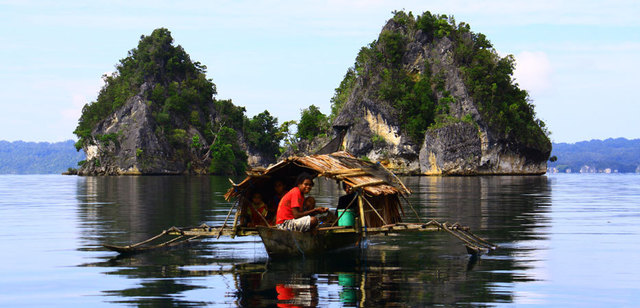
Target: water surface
{"type": "Point", "coordinates": [565, 240]}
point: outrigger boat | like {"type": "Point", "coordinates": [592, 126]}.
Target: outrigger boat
{"type": "Point", "coordinates": [376, 205]}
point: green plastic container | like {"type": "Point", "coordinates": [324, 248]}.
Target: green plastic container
{"type": "Point", "coordinates": [346, 220]}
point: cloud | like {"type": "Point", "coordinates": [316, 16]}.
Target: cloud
{"type": "Point", "coordinates": [533, 71]}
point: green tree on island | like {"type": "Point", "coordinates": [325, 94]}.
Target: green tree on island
{"type": "Point", "coordinates": [312, 123]}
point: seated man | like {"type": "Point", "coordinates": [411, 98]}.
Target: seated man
{"type": "Point", "coordinates": [291, 214]}
{"type": "Point", "coordinates": [344, 201]}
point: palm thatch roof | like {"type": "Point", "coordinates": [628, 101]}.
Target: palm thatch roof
{"type": "Point", "coordinates": [374, 179]}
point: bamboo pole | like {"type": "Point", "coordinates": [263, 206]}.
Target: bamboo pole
{"type": "Point", "coordinates": [376, 211]}
{"type": "Point", "coordinates": [345, 210]}
{"type": "Point", "coordinates": [411, 206]}
{"type": "Point", "coordinates": [235, 222]}
{"type": "Point", "coordinates": [228, 214]}
{"type": "Point", "coordinates": [149, 240]}
{"type": "Point", "coordinates": [363, 223]}
{"type": "Point", "coordinates": [263, 219]}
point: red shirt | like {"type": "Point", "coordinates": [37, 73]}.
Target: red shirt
{"type": "Point", "coordinates": [291, 199]}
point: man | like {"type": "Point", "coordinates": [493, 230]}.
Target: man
{"type": "Point", "coordinates": [291, 214]}
{"type": "Point", "coordinates": [347, 199]}
{"type": "Point", "coordinates": [279, 190]}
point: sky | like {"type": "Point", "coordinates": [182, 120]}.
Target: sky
{"type": "Point", "coordinates": [579, 60]}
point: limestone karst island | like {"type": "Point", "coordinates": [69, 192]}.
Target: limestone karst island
{"type": "Point", "coordinates": [428, 96]}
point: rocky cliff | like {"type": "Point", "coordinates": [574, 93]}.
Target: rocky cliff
{"type": "Point", "coordinates": [157, 115]}
{"type": "Point", "coordinates": [429, 96]}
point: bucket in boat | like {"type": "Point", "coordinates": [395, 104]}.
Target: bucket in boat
{"type": "Point", "coordinates": [346, 220]}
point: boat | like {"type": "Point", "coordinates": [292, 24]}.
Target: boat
{"type": "Point", "coordinates": [376, 204]}
{"type": "Point", "coordinates": [284, 243]}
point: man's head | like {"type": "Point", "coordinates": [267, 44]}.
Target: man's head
{"type": "Point", "coordinates": [278, 186]}
{"type": "Point", "coordinates": [346, 187]}
{"type": "Point", "coordinates": [309, 203]}
{"type": "Point", "coordinates": [305, 182]}
{"type": "Point", "coordinates": [256, 197]}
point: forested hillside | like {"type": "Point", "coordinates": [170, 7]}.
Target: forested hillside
{"type": "Point", "coordinates": [21, 157]}
{"type": "Point", "coordinates": [597, 155]}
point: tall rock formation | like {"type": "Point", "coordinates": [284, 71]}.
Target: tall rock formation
{"type": "Point", "coordinates": [157, 115]}
{"type": "Point", "coordinates": [431, 97]}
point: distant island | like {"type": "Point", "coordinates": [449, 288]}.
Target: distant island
{"type": "Point", "coordinates": [595, 156]}
{"type": "Point", "coordinates": [618, 155]}
{"type": "Point", "coordinates": [428, 96]}
{"type": "Point", "coordinates": [21, 157]}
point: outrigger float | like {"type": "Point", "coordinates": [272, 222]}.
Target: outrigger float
{"type": "Point", "coordinates": [376, 205]}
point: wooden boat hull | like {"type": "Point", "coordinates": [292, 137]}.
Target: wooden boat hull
{"type": "Point", "coordinates": [284, 243]}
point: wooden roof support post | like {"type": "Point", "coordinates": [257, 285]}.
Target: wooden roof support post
{"type": "Point", "coordinates": [236, 217]}
{"type": "Point", "coordinates": [363, 223]}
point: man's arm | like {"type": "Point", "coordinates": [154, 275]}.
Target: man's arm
{"type": "Point", "coordinates": [297, 213]}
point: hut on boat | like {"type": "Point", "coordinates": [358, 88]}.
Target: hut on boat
{"type": "Point", "coordinates": [378, 189]}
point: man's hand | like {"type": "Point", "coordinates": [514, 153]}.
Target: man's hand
{"type": "Point", "coordinates": [321, 210]}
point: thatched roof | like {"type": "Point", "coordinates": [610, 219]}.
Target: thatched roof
{"type": "Point", "coordinates": [373, 178]}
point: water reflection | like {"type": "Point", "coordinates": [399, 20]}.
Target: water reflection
{"type": "Point", "coordinates": [407, 269]}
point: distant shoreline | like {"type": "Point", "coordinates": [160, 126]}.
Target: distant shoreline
{"type": "Point", "coordinates": [619, 155]}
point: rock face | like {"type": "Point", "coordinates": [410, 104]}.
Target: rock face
{"type": "Point", "coordinates": [465, 143]}
{"type": "Point", "coordinates": [136, 148]}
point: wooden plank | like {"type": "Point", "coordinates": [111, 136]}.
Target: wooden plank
{"type": "Point", "coordinates": [352, 175]}
{"type": "Point", "coordinates": [378, 182]}
{"type": "Point", "coordinates": [214, 231]}
{"type": "Point", "coordinates": [401, 229]}
{"type": "Point", "coordinates": [340, 171]}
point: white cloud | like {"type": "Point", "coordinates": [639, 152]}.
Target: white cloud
{"type": "Point", "coordinates": [533, 71]}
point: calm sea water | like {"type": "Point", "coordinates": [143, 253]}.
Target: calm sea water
{"type": "Point", "coordinates": [565, 240]}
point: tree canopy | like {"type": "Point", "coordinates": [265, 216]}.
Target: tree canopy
{"type": "Point", "coordinates": [312, 123]}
